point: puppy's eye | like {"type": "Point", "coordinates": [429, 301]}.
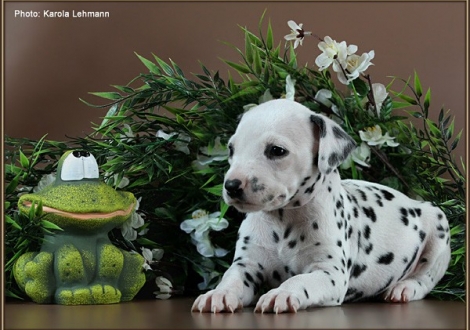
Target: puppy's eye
{"type": "Point", "coordinates": [273, 152]}
{"type": "Point", "coordinates": [230, 150]}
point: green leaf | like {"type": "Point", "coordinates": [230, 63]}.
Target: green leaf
{"type": "Point", "coordinates": [24, 160]}
{"type": "Point", "coordinates": [387, 108]}
{"type": "Point", "coordinates": [427, 101]}
{"type": "Point", "coordinates": [9, 220]}
{"type": "Point", "coordinates": [418, 88]}
{"type": "Point", "coordinates": [147, 242]}
{"type": "Point", "coordinates": [215, 190]}
{"type": "Point", "coordinates": [49, 225]}
{"type": "Point", "coordinates": [416, 114]}
{"type": "Point", "coordinates": [13, 184]}
{"type": "Point", "coordinates": [293, 57]}
{"type": "Point", "coordinates": [178, 70]}
{"type": "Point", "coordinates": [456, 141]}
{"type": "Point", "coordinates": [149, 65]}
{"type": "Point", "coordinates": [107, 95]}
{"type": "Point", "coordinates": [124, 89]}
{"type": "Point", "coordinates": [408, 99]}
{"type": "Point", "coordinates": [248, 49]}
{"type": "Point", "coordinates": [165, 67]}
{"type": "Point", "coordinates": [223, 208]}
{"type": "Point", "coordinates": [361, 87]}
{"type": "Point", "coordinates": [239, 67]}
{"type": "Point", "coordinates": [258, 66]}
{"type": "Point", "coordinates": [450, 130]}
{"type": "Point", "coordinates": [269, 36]}
{"type": "Point", "coordinates": [111, 112]}
{"type": "Point", "coordinates": [400, 105]}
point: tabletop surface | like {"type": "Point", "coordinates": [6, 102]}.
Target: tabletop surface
{"type": "Point", "coordinates": [175, 314]}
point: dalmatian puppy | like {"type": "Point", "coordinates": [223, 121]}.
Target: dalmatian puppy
{"type": "Point", "coordinates": [313, 238]}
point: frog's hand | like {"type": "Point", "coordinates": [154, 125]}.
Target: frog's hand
{"type": "Point", "coordinates": [132, 276]}
{"type": "Point", "coordinates": [38, 276]}
{"type": "Point", "coordinates": [70, 270]}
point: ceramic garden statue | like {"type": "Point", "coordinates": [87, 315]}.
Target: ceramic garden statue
{"type": "Point", "coordinates": [79, 265]}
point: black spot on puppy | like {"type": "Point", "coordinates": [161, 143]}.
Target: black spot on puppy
{"type": "Point", "coordinates": [340, 134]}
{"type": "Point", "coordinates": [370, 213]}
{"type": "Point", "coordinates": [358, 270]}
{"type": "Point", "coordinates": [287, 232]}
{"type": "Point", "coordinates": [386, 259]}
{"type": "Point", "coordinates": [388, 195]}
{"type": "Point", "coordinates": [255, 187]}
{"type": "Point", "coordinates": [275, 237]}
{"type": "Point", "coordinates": [320, 123]}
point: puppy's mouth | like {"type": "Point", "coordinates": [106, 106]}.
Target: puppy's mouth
{"type": "Point", "coordinates": [246, 207]}
{"type": "Point", "coordinates": [267, 204]}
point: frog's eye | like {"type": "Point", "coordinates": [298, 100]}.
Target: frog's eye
{"type": "Point", "coordinates": [79, 165]}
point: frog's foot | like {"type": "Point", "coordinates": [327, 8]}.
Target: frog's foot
{"type": "Point", "coordinates": [95, 294]}
{"type": "Point", "coordinates": [132, 277]}
{"type": "Point", "coordinates": [19, 268]}
{"type": "Point", "coordinates": [33, 272]}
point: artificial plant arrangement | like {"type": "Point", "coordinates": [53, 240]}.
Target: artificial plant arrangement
{"type": "Point", "coordinates": [164, 140]}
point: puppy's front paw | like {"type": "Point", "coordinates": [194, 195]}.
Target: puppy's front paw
{"type": "Point", "coordinates": [216, 301]}
{"type": "Point", "coordinates": [278, 301]}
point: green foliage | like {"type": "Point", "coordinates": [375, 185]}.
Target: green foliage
{"type": "Point", "coordinates": [167, 173]}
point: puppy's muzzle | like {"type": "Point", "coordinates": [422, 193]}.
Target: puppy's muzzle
{"type": "Point", "coordinates": [233, 189]}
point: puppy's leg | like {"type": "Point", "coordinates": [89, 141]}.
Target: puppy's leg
{"type": "Point", "coordinates": [230, 295]}
{"type": "Point", "coordinates": [430, 268]}
{"type": "Point", "coordinates": [319, 288]}
{"type": "Point", "coordinates": [241, 282]}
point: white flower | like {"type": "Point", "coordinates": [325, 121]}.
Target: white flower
{"type": "Point", "coordinates": [360, 155]}
{"type": "Point", "coordinates": [180, 144]}
{"type": "Point", "coordinates": [297, 33]}
{"type": "Point", "coordinates": [373, 136]}
{"type": "Point", "coordinates": [122, 184]}
{"type": "Point", "coordinates": [290, 88]}
{"type": "Point", "coordinates": [199, 226]}
{"type": "Point", "coordinates": [208, 273]}
{"type": "Point", "coordinates": [380, 94]}
{"type": "Point", "coordinates": [165, 288]}
{"type": "Point", "coordinates": [209, 154]}
{"type": "Point", "coordinates": [323, 96]}
{"type": "Point", "coordinates": [134, 222]}
{"type": "Point", "coordinates": [128, 133]}
{"type": "Point", "coordinates": [45, 181]}
{"type": "Point", "coordinates": [151, 256]}
{"type": "Point", "coordinates": [267, 96]}
{"type": "Point", "coordinates": [353, 66]}
{"type": "Point", "coordinates": [332, 52]}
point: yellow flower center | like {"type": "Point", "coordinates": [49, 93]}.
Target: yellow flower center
{"type": "Point", "coordinates": [199, 214]}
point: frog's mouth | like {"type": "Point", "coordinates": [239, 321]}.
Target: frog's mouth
{"type": "Point", "coordinates": [85, 216]}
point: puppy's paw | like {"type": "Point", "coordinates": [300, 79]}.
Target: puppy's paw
{"type": "Point", "coordinates": [404, 291]}
{"type": "Point", "coordinates": [278, 301]}
{"type": "Point", "coordinates": [216, 301]}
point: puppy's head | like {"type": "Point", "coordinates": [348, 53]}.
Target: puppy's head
{"type": "Point", "coordinates": [279, 151]}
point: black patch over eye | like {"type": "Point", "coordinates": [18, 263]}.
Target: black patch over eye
{"type": "Point", "coordinates": [273, 152]}
{"type": "Point", "coordinates": [230, 150]}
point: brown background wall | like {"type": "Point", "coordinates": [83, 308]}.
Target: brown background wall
{"type": "Point", "coordinates": [52, 62]}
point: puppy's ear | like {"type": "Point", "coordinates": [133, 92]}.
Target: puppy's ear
{"type": "Point", "coordinates": [334, 146]}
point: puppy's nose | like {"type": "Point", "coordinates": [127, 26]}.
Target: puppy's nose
{"type": "Point", "coordinates": [233, 188]}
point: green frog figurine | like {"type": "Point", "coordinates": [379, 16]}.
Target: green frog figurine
{"type": "Point", "coordinates": [80, 265]}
